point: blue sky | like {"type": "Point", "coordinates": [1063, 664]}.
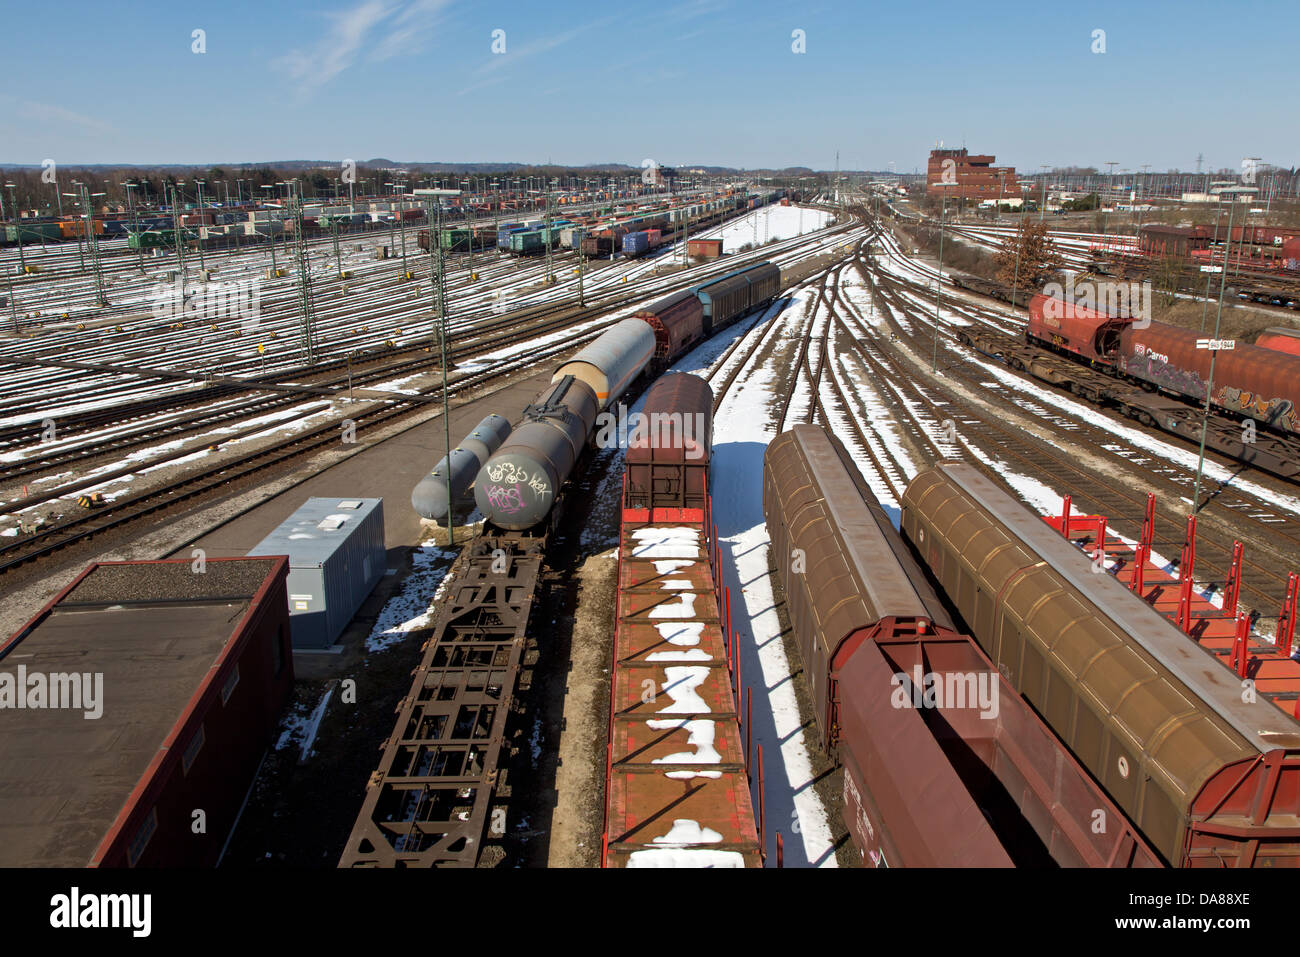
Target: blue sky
{"type": "Point", "coordinates": [680, 81]}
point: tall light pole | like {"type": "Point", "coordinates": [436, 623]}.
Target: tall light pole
{"type": "Point", "coordinates": [13, 303]}
{"type": "Point", "coordinates": [435, 203]}
{"type": "Point", "coordinates": [1214, 352]}
{"type": "Point", "coordinates": [270, 234]}
{"type": "Point", "coordinates": [198, 183]}
{"type": "Point", "coordinates": [938, 280]}
{"type": "Point", "coordinates": [130, 199]}
{"type": "Point", "coordinates": [88, 218]}
{"type": "Point", "coordinates": [18, 225]}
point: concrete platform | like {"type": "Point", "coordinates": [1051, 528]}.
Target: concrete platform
{"type": "Point", "coordinates": [389, 470]}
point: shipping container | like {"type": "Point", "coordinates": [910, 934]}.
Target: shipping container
{"type": "Point", "coordinates": [704, 248]}
{"type": "Point", "coordinates": [336, 557]}
{"type": "Point", "coordinates": [33, 232]}
{"type": "Point", "coordinates": [634, 244]}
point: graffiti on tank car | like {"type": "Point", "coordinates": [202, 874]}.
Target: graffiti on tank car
{"type": "Point", "coordinates": [539, 486]}
{"type": "Point", "coordinates": [505, 499]}
{"type": "Point", "coordinates": [1155, 367]}
{"type": "Point", "coordinates": [1280, 413]}
{"type": "Point", "coordinates": [507, 472]}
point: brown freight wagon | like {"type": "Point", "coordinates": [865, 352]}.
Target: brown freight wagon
{"type": "Point", "coordinates": [704, 248]}
{"type": "Point", "coordinates": [668, 455]}
{"type": "Point", "coordinates": [1209, 780]}
{"type": "Point", "coordinates": [594, 246]}
{"type": "Point", "coordinates": [678, 323]}
{"type": "Point", "coordinates": [1263, 384]}
{"type": "Point", "coordinates": [968, 777]}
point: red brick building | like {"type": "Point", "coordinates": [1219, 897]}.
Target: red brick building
{"type": "Point", "coordinates": [975, 177]}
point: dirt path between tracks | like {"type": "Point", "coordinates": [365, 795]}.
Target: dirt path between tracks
{"type": "Point", "coordinates": [580, 777]}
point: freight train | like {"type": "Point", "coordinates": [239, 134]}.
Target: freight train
{"type": "Point", "coordinates": [1251, 381]}
{"type": "Point", "coordinates": [519, 484]}
{"type": "Point", "coordinates": [944, 764]}
{"type": "Point", "coordinates": [1209, 777]}
{"type": "Point", "coordinates": [677, 791]}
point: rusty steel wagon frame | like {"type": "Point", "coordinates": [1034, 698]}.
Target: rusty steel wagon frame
{"type": "Point", "coordinates": [431, 802]}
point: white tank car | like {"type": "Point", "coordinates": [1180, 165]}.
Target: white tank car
{"type": "Point", "coordinates": [611, 362]}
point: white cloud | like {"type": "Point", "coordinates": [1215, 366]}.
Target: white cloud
{"type": "Point", "coordinates": [53, 113]}
{"type": "Point", "coordinates": [393, 28]}
{"type": "Point", "coordinates": [411, 29]}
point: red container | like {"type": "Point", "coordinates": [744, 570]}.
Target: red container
{"type": "Point", "coordinates": [1280, 340]}
{"type": "Point", "coordinates": [704, 248]}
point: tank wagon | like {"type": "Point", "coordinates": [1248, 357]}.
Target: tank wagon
{"type": "Point", "coordinates": [613, 361]}
{"type": "Point", "coordinates": [677, 792]}
{"type": "Point", "coordinates": [1280, 340]}
{"type": "Point", "coordinates": [518, 485]}
{"type": "Point", "coordinates": [1209, 780]}
{"type": "Point", "coordinates": [430, 498]}
{"type": "Point", "coordinates": [970, 776]}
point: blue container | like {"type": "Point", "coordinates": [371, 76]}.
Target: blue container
{"type": "Point", "coordinates": [503, 237]}
{"type": "Point", "coordinates": [636, 243]}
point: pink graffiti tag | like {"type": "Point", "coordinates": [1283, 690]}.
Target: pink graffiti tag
{"type": "Point", "coordinates": [505, 498]}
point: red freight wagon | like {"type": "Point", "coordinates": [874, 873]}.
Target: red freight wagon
{"type": "Point", "coordinates": [677, 792]}
{"type": "Point", "coordinates": [667, 457]}
{"type": "Point", "coordinates": [1280, 340]}
{"type": "Point", "coordinates": [873, 637]}
{"type": "Point", "coordinates": [1261, 383]}
{"type": "Point", "coordinates": [677, 321]}
{"type": "Point", "coordinates": [1071, 328]}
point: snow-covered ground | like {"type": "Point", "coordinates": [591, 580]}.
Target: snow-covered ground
{"type": "Point", "coordinates": [740, 435]}
{"type": "Point", "coordinates": [768, 223]}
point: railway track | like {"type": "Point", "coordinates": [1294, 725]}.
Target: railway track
{"type": "Point", "coordinates": [442, 794]}
{"type": "Point", "coordinates": [483, 339]}
{"type": "Point", "coordinates": [1269, 524]}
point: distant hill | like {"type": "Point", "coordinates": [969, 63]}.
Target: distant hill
{"type": "Point", "coordinates": [440, 167]}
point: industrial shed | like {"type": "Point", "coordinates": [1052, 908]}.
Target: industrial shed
{"type": "Point", "coordinates": [196, 667]}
